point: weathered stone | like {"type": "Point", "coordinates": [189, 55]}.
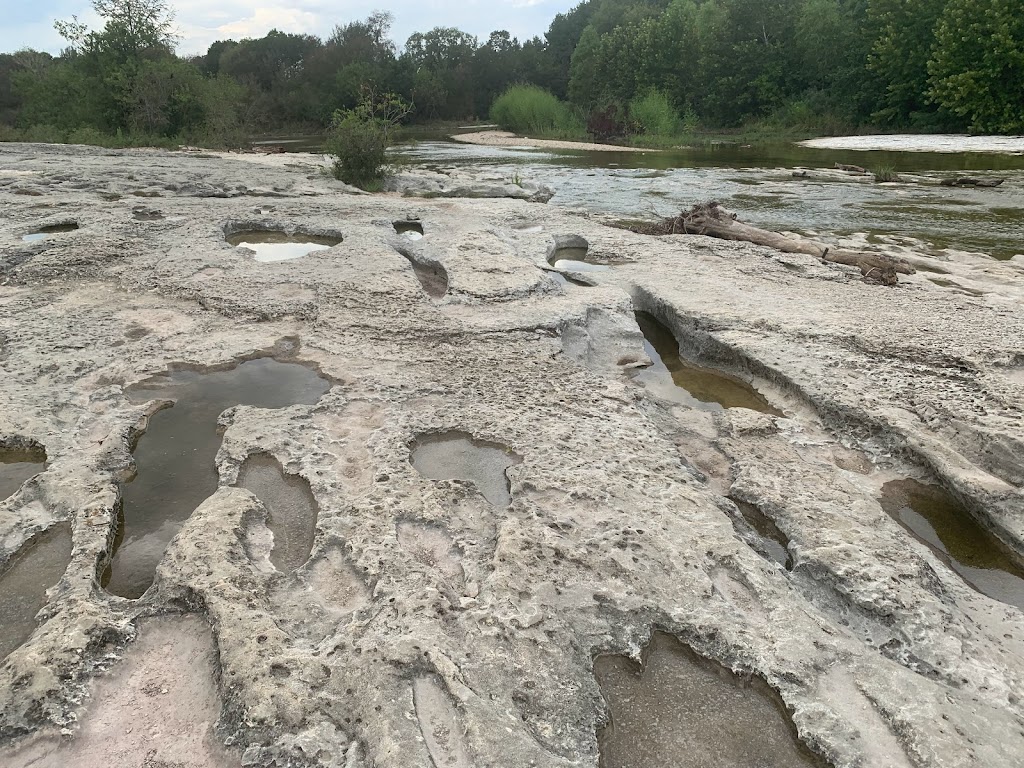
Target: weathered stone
{"type": "Point", "coordinates": [430, 625]}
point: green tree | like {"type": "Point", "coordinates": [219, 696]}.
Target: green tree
{"type": "Point", "coordinates": [904, 34]}
{"type": "Point", "coordinates": [977, 68]}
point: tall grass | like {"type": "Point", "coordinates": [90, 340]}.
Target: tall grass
{"type": "Point", "coordinates": [528, 109]}
{"type": "Point", "coordinates": [654, 115]}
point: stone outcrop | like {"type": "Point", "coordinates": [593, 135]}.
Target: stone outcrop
{"type": "Point", "coordinates": [430, 627]}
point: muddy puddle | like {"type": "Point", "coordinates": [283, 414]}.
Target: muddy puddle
{"type": "Point", "coordinates": [673, 378]}
{"type": "Point", "coordinates": [459, 456]}
{"type": "Point", "coordinates": [411, 229]}
{"type": "Point", "coordinates": [24, 579]}
{"type": "Point", "coordinates": [774, 541]}
{"type": "Point", "coordinates": [679, 709]}
{"type": "Point", "coordinates": [275, 245]}
{"type": "Point", "coordinates": [933, 517]}
{"type": "Point", "coordinates": [44, 232]}
{"type": "Point", "coordinates": [175, 457]}
{"type": "Point", "coordinates": [17, 466]}
{"type": "Point", "coordinates": [291, 508]}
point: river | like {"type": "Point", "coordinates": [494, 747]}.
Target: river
{"type": "Point", "coordinates": [757, 182]}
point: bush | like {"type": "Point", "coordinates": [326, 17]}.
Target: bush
{"type": "Point", "coordinates": [359, 139]}
{"type": "Point", "coordinates": [654, 115]}
{"type": "Point", "coordinates": [529, 109]}
{"type": "Point", "coordinates": [43, 134]}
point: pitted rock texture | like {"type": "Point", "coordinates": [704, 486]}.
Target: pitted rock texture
{"type": "Point", "coordinates": [428, 626]}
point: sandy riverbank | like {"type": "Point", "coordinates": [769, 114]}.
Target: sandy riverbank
{"type": "Point", "coordinates": [506, 139]}
{"type": "Point", "coordinates": [1011, 145]}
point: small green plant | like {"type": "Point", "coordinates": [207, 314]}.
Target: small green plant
{"type": "Point", "coordinates": [886, 173]}
{"type": "Point", "coordinates": [359, 138]}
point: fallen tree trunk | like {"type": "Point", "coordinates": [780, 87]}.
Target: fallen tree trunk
{"type": "Point", "coordinates": [970, 181]}
{"type": "Point", "coordinates": [713, 220]}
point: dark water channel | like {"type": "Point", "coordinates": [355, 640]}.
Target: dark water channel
{"type": "Point", "coordinates": [24, 579]}
{"type": "Point", "coordinates": [675, 379]}
{"type": "Point", "coordinates": [933, 517]}
{"type": "Point", "coordinates": [679, 709]}
{"type": "Point", "coordinates": [175, 458]}
{"type": "Point", "coordinates": [17, 466]}
{"type": "Point", "coordinates": [460, 456]}
{"type": "Point", "coordinates": [274, 245]}
{"type": "Point", "coordinates": [291, 508]}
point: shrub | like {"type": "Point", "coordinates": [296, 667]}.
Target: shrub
{"type": "Point", "coordinates": [529, 109]}
{"type": "Point", "coordinates": [359, 139]}
{"type": "Point", "coordinates": [885, 173]}
{"type": "Point", "coordinates": [654, 115]}
{"type": "Point", "coordinates": [43, 134]}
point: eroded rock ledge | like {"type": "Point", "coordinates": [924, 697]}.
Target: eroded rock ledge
{"type": "Point", "coordinates": [431, 626]}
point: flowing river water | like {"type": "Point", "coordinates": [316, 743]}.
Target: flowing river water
{"type": "Point", "coordinates": [757, 181]}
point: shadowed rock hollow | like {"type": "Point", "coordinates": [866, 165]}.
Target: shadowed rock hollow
{"type": "Point", "coordinates": [445, 617]}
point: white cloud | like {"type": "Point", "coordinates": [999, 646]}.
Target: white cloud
{"type": "Point", "coordinates": [201, 22]}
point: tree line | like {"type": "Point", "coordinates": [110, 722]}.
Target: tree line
{"type": "Point", "coordinates": [815, 65]}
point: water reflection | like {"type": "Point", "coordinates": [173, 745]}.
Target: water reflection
{"type": "Point", "coordinates": [936, 519]}
{"type": "Point", "coordinates": [675, 379]}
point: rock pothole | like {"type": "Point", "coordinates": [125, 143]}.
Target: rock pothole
{"type": "Point", "coordinates": [934, 518]}
{"type": "Point", "coordinates": [674, 378]}
{"type": "Point", "coordinates": [291, 508]}
{"type": "Point", "coordinates": [18, 465]}
{"type": "Point", "coordinates": [568, 253]}
{"type": "Point", "coordinates": [24, 580]}
{"type": "Point", "coordinates": [45, 232]}
{"type": "Point", "coordinates": [269, 244]}
{"type": "Point", "coordinates": [431, 274]}
{"type": "Point", "coordinates": [677, 708]}
{"type": "Point", "coordinates": [411, 228]}
{"type": "Point", "coordinates": [175, 458]}
{"type": "Point", "coordinates": [460, 456]}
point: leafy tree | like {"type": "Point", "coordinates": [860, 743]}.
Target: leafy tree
{"type": "Point", "coordinates": [977, 68]}
{"type": "Point", "coordinates": [904, 34]}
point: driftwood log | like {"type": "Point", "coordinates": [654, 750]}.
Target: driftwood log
{"type": "Point", "coordinates": [713, 220]}
{"type": "Point", "coordinates": [970, 181]}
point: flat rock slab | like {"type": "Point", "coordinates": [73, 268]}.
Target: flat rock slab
{"type": "Point", "coordinates": [156, 707]}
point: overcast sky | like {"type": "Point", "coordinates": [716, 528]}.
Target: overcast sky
{"type": "Point", "coordinates": [200, 22]}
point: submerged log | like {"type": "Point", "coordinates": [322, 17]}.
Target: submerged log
{"type": "Point", "coordinates": [713, 220]}
{"type": "Point", "coordinates": [970, 181]}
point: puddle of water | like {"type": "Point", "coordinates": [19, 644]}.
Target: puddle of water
{"type": "Point", "coordinates": [274, 245]}
{"type": "Point", "coordinates": [291, 506]}
{"type": "Point", "coordinates": [17, 466]}
{"type": "Point", "coordinates": [176, 456]}
{"type": "Point", "coordinates": [459, 456]}
{"type": "Point", "coordinates": [775, 542]}
{"type": "Point", "coordinates": [674, 379]}
{"type": "Point", "coordinates": [43, 232]}
{"type": "Point", "coordinates": [24, 579]}
{"type": "Point", "coordinates": [411, 229]}
{"type": "Point", "coordinates": [933, 517]}
{"type": "Point", "coordinates": [683, 710]}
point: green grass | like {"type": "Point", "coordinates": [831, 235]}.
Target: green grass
{"type": "Point", "coordinates": [49, 134]}
{"type": "Point", "coordinates": [533, 111]}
